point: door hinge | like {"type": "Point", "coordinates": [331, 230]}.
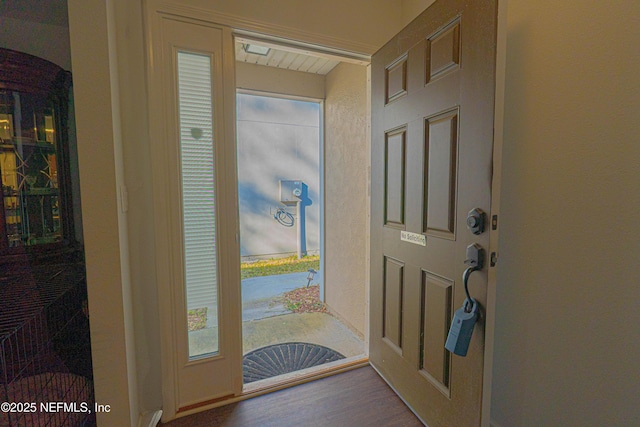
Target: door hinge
{"type": "Point", "coordinates": [494, 222]}
{"type": "Point", "coordinates": [494, 259]}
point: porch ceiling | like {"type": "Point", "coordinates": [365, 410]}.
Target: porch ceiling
{"type": "Point", "coordinates": [286, 57]}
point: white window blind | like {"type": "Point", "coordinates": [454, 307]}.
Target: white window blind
{"type": "Point", "coordinates": [198, 195]}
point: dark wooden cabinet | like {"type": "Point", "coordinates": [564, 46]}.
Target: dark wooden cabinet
{"type": "Point", "coordinates": [36, 217]}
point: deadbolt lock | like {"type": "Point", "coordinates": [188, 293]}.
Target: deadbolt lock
{"type": "Point", "coordinates": [475, 221]}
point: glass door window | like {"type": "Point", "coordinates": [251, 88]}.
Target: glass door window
{"type": "Point", "coordinates": [198, 201]}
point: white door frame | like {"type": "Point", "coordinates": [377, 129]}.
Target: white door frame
{"type": "Point", "coordinates": [166, 35]}
{"type": "Point", "coordinates": [347, 52]}
{"type": "Point", "coordinates": [164, 220]}
{"type": "Point", "coordinates": [496, 183]}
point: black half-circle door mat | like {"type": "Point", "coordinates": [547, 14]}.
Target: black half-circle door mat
{"type": "Point", "coordinates": [278, 359]}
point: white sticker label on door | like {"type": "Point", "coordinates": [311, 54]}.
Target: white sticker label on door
{"type": "Point", "coordinates": [415, 238]}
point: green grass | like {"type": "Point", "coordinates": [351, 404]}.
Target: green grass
{"type": "Point", "coordinates": [292, 306]}
{"type": "Point", "coordinates": [272, 267]}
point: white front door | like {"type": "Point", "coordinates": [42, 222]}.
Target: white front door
{"type": "Point", "coordinates": [196, 218]}
{"type": "Point", "coordinates": [432, 146]}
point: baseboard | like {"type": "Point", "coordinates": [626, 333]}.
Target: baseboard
{"type": "Point", "coordinates": [149, 419]}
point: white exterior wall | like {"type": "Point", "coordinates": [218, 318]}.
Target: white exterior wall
{"type": "Point", "coordinates": [278, 139]}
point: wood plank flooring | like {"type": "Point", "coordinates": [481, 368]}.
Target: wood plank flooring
{"type": "Point", "coordinates": [351, 399]}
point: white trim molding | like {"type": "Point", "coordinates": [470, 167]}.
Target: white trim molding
{"type": "Point", "coordinates": [496, 184]}
{"type": "Point", "coordinates": [150, 419]}
{"type": "Point", "coordinates": [268, 31]}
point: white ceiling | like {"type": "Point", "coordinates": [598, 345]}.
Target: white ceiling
{"type": "Point", "coordinates": [286, 58]}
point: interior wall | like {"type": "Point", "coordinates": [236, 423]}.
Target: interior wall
{"type": "Point", "coordinates": [104, 215]}
{"type": "Point", "coordinates": [50, 42]}
{"type": "Point", "coordinates": [346, 186]}
{"type": "Point", "coordinates": [129, 50]}
{"type": "Point", "coordinates": [365, 24]}
{"type": "Point", "coordinates": [412, 8]}
{"type": "Point", "coordinates": [567, 343]}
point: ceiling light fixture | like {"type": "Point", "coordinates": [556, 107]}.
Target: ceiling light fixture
{"type": "Point", "coordinates": [257, 50]}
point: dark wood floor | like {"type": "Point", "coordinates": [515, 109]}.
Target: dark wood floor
{"type": "Point", "coordinates": [351, 399]}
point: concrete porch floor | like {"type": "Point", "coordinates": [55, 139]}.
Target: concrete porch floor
{"type": "Point", "coordinates": [266, 321]}
{"type": "Point", "coordinates": [314, 328]}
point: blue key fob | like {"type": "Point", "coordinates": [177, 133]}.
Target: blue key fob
{"type": "Point", "coordinates": [462, 328]}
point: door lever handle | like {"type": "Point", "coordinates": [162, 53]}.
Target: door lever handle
{"type": "Point", "coordinates": [475, 261]}
{"type": "Point", "coordinates": [465, 281]}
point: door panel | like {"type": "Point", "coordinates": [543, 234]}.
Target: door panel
{"type": "Point", "coordinates": [395, 160]}
{"type": "Point", "coordinates": [443, 51]}
{"type": "Point", "coordinates": [396, 79]}
{"type": "Point", "coordinates": [393, 287]}
{"type": "Point", "coordinates": [440, 174]}
{"type": "Point", "coordinates": [432, 136]}
{"type": "Point", "coordinates": [436, 308]}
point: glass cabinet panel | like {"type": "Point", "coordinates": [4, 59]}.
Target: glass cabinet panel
{"type": "Point", "coordinates": [29, 169]}
{"type": "Point", "coordinates": [36, 211]}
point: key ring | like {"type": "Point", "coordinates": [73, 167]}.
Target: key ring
{"type": "Point", "coordinates": [469, 304]}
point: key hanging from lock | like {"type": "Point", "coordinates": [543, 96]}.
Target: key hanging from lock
{"type": "Point", "coordinates": [465, 318]}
